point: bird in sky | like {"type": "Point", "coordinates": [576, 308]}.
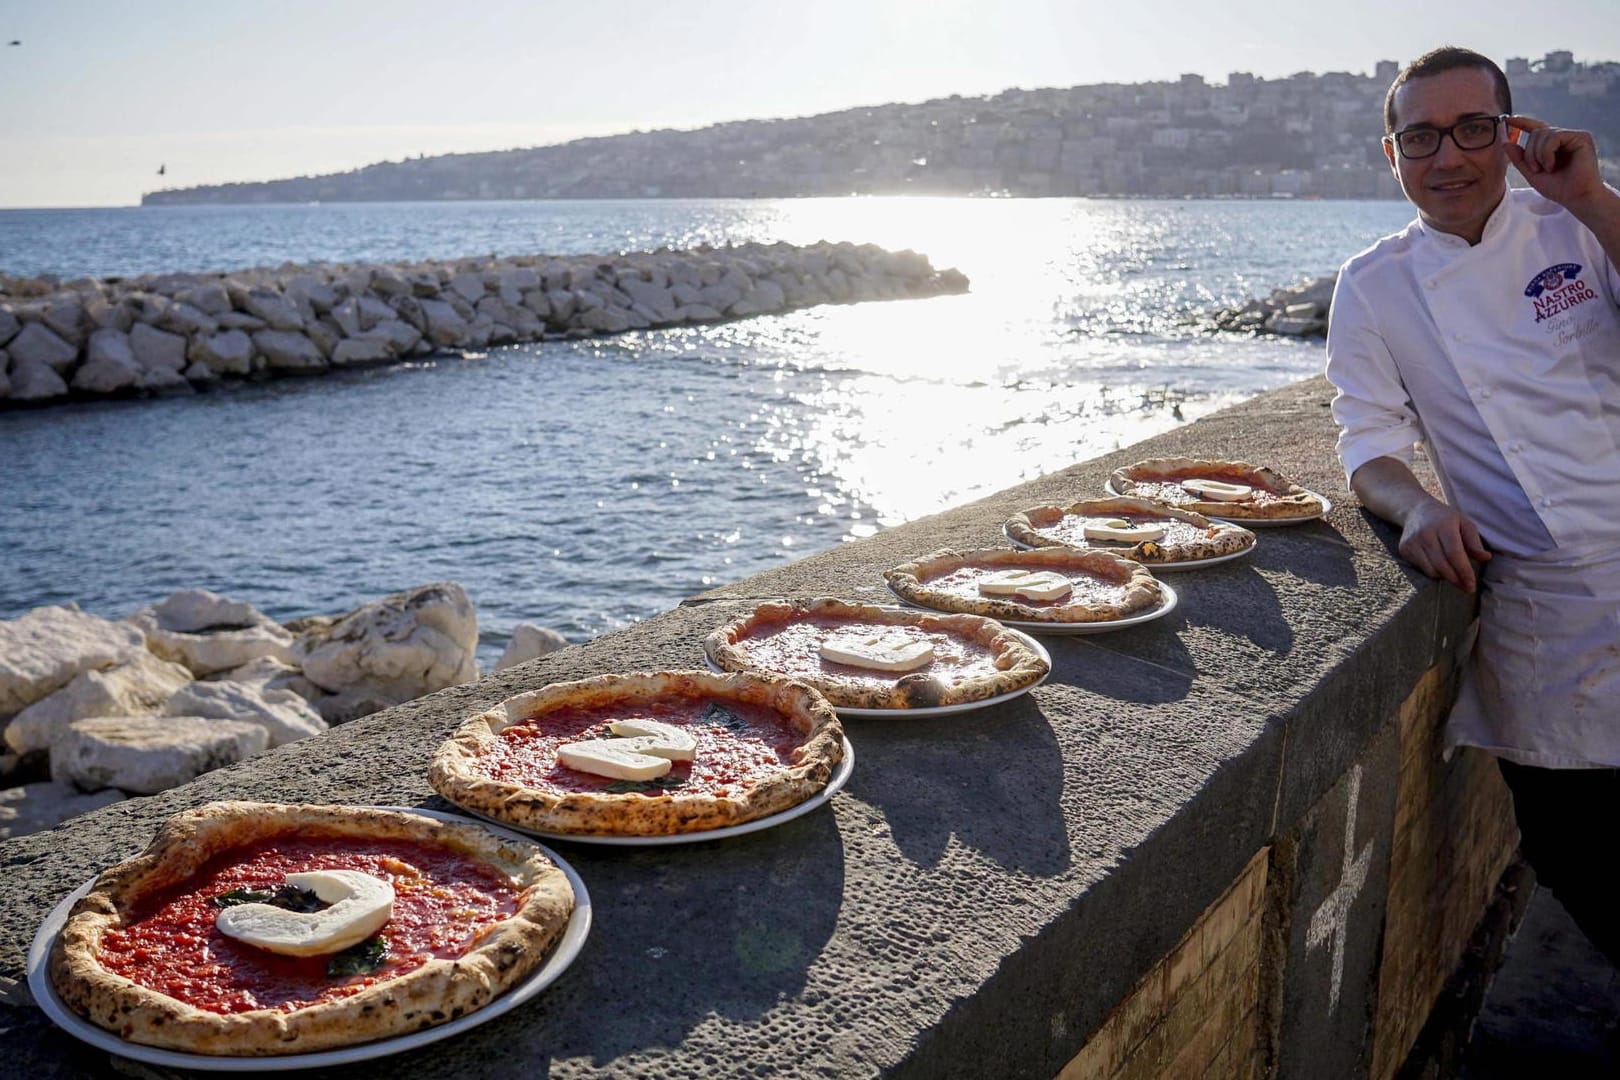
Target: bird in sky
{"type": "Point", "coordinates": [13, 43]}
{"type": "Point", "coordinates": [162, 169]}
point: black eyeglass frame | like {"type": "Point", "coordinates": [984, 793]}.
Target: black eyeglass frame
{"type": "Point", "coordinates": [1440, 134]}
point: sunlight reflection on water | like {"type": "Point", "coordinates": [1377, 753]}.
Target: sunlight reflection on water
{"type": "Point", "coordinates": [584, 485]}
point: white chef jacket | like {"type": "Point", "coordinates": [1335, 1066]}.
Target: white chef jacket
{"type": "Point", "coordinates": [1503, 358]}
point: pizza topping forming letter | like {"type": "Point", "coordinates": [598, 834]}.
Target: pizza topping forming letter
{"type": "Point", "coordinates": [359, 906]}
{"type": "Point", "coordinates": [1122, 530]}
{"type": "Point", "coordinates": [882, 651]}
{"type": "Point", "coordinates": [1028, 584]}
{"type": "Point", "coordinates": [1219, 490]}
{"type": "Point", "coordinates": [668, 740]}
{"type": "Point", "coordinates": [617, 759]}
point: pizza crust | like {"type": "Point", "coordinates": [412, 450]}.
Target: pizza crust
{"type": "Point", "coordinates": [434, 993]}
{"type": "Point", "coordinates": [456, 774]}
{"type": "Point", "coordinates": [1017, 667]}
{"type": "Point", "coordinates": [1288, 499]}
{"type": "Point", "coordinates": [1214, 538]}
{"type": "Point", "coordinates": [1138, 589]}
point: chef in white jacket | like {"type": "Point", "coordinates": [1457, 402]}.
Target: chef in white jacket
{"type": "Point", "coordinates": [1489, 331]}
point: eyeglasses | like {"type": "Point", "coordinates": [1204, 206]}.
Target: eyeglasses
{"type": "Point", "coordinates": [1474, 133]}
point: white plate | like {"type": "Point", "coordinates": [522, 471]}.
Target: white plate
{"type": "Point", "coordinates": [562, 955]}
{"type": "Point", "coordinates": [1185, 564]}
{"type": "Point", "coordinates": [840, 776]}
{"type": "Point", "coordinates": [1255, 523]}
{"type": "Point", "coordinates": [945, 710]}
{"type": "Point", "coordinates": [1069, 629]}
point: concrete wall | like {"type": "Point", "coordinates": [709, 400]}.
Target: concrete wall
{"type": "Point", "coordinates": [1220, 844]}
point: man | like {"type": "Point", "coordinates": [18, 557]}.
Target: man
{"type": "Point", "coordinates": [1489, 331]}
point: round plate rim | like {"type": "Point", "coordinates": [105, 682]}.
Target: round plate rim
{"type": "Point", "coordinates": [562, 957]}
{"type": "Point", "coordinates": [835, 783]}
{"type": "Point", "coordinates": [1074, 629]}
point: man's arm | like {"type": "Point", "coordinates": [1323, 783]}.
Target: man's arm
{"type": "Point", "coordinates": [1434, 538]}
{"type": "Point", "coordinates": [1562, 165]}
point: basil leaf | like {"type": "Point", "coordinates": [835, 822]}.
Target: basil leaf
{"type": "Point", "coordinates": [287, 897]}
{"type": "Point", "coordinates": [724, 717]}
{"type": "Point", "coordinates": [361, 959]}
{"type": "Point", "coordinates": [621, 787]}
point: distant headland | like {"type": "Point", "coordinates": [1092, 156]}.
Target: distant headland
{"type": "Point", "coordinates": [1307, 135]}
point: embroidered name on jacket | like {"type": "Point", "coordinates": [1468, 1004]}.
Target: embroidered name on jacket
{"type": "Point", "coordinates": [1558, 288]}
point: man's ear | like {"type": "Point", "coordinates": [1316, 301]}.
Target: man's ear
{"type": "Point", "coordinates": [1389, 154]}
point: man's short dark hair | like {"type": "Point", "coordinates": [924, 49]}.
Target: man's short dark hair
{"type": "Point", "coordinates": [1446, 58]}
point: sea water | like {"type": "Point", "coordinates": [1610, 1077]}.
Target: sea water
{"type": "Point", "coordinates": [583, 485]}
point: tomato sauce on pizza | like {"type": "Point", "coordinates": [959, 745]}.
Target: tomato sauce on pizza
{"type": "Point", "coordinates": [737, 743]}
{"type": "Point", "coordinates": [1084, 588]}
{"type": "Point", "coordinates": [443, 903]}
{"type": "Point", "coordinates": [1071, 529]}
{"type": "Point", "coordinates": [794, 648]}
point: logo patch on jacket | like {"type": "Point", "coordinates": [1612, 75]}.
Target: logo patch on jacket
{"type": "Point", "coordinates": [1558, 288]}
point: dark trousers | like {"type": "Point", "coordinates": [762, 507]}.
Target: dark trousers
{"type": "Point", "coordinates": [1567, 821]}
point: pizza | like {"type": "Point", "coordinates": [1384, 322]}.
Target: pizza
{"type": "Point", "coordinates": [1053, 585]}
{"type": "Point", "coordinates": [252, 929]}
{"type": "Point", "coordinates": [1226, 489]}
{"type": "Point", "coordinates": [1140, 529]}
{"type": "Point", "coordinates": [863, 656]}
{"type": "Point", "coordinates": [575, 757]}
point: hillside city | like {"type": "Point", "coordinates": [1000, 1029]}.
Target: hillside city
{"type": "Point", "coordinates": [1307, 135]}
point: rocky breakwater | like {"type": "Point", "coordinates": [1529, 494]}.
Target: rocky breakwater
{"type": "Point", "coordinates": [1296, 311]}
{"type": "Point", "coordinates": [107, 708]}
{"type": "Point", "coordinates": [172, 333]}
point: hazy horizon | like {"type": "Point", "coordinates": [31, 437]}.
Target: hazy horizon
{"type": "Point", "coordinates": [97, 96]}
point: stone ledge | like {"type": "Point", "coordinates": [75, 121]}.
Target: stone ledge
{"type": "Point", "coordinates": [988, 887]}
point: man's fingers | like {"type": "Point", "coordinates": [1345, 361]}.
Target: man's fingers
{"type": "Point", "coordinates": [1452, 547]}
{"type": "Point", "coordinates": [1473, 544]}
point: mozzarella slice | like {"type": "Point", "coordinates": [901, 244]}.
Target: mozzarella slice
{"type": "Point", "coordinates": [657, 738]}
{"type": "Point", "coordinates": [619, 759]}
{"type": "Point", "coordinates": [1219, 490]}
{"type": "Point", "coordinates": [891, 651]}
{"type": "Point", "coordinates": [1030, 584]}
{"type": "Point", "coordinates": [1120, 529]}
{"type": "Point", "coordinates": [361, 904]}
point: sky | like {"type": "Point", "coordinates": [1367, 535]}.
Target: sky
{"type": "Point", "coordinates": [100, 93]}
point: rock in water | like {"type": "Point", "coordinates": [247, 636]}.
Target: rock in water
{"type": "Point", "coordinates": [139, 686]}
{"type": "Point", "coordinates": [529, 642]}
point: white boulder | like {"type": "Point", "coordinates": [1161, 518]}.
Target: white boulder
{"type": "Point", "coordinates": [284, 716]}
{"type": "Point", "coordinates": [43, 650]}
{"type": "Point", "coordinates": [289, 350]}
{"type": "Point", "coordinates": [397, 648]}
{"type": "Point", "coordinates": [34, 808]}
{"type": "Point", "coordinates": [157, 350]}
{"type": "Point", "coordinates": [111, 365]}
{"type": "Point", "coordinates": [229, 352]}
{"type": "Point", "coordinates": [529, 642]}
{"type": "Point", "coordinates": [38, 345]}
{"type": "Point", "coordinates": [148, 754]}
{"type": "Point", "coordinates": [136, 687]}
{"type": "Point", "coordinates": [268, 673]}
{"type": "Point", "coordinates": [208, 633]}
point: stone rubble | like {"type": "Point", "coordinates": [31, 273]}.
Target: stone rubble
{"type": "Point", "coordinates": [199, 681]}
{"type": "Point", "coordinates": [1296, 311]}
{"type": "Point", "coordinates": [174, 333]}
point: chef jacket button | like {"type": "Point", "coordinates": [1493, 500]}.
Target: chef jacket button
{"type": "Point", "coordinates": [1458, 337]}
{"type": "Point", "coordinates": [1546, 502]}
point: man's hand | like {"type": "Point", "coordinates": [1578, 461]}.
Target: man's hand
{"type": "Point", "coordinates": [1434, 537]}
{"type": "Point", "coordinates": [1442, 543]}
{"type": "Point", "coordinates": [1560, 163]}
